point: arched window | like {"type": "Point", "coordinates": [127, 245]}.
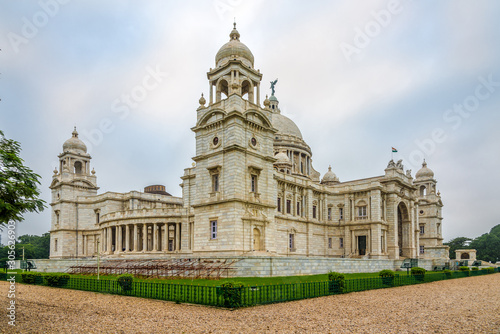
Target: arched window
{"type": "Point", "coordinates": [423, 191]}
{"type": "Point", "coordinates": [78, 167]}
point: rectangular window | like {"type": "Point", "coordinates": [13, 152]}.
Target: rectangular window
{"type": "Point", "coordinates": [254, 183]}
{"type": "Point", "coordinates": [329, 213]}
{"type": "Point", "coordinates": [341, 213]}
{"type": "Point", "coordinates": [97, 217]}
{"type": "Point", "coordinates": [279, 204]}
{"type": "Point", "coordinates": [314, 211]}
{"type": "Point", "coordinates": [422, 229]}
{"type": "Point", "coordinates": [341, 240]}
{"type": "Point", "coordinates": [288, 206]}
{"type": "Point", "coordinates": [55, 245]}
{"type": "Point", "coordinates": [422, 250]}
{"type": "Point", "coordinates": [215, 183]}
{"type": "Point", "coordinates": [298, 208]}
{"type": "Point", "coordinates": [329, 242]}
{"type": "Point", "coordinates": [291, 242]}
{"type": "Point", "coordinates": [213, 229]}
{"type": "Point", "coordinates": [362, 211]}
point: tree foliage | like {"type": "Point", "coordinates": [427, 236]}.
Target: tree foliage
{"type": "Point", "coordinates": [486, 245]}
{"type": "Point", "coordinates": [18, 184]}
{"type": "Point", "coordinates": [458, 243]}
{"type": "Point", "coordinates": [35, 247]}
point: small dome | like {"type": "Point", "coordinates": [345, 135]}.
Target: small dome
{"type": "Point", "coordinates": [202, 100]}
{"type": "Point", "coordinates": [329, 176]}
{"type": "Point", "coordinates": [282, 158]}
{"type": "Point", "coordinates": [285, 125]}
{"type": "Point", "coordinates": [234, 49]}
{"type": "Point", "coordinates": [273, 98]}
{"type": "Point", "coordinates": [75, 145]}
{"type": "Point", "coordinates": [266, 102]}
{"type": "Point", "coordinates": [424, 172]}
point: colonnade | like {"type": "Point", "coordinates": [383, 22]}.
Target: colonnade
{"type": "Point", "coordinates": [145, 237]}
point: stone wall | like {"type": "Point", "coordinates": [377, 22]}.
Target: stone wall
{"type": "Point", "coordinates": [269, 266]}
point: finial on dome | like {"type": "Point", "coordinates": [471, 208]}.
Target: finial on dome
{"type": "Point", "coordinates": [75, 133]}
{"type": "Point", "coordinates": [202, 100]}
{"type": "Point", "coordinates": [424, 164]}
{"type": "Point", "coordinates": [234, 33]}
{"type": "Point", "coordinates": [330, 168]}
{"type": "Point", "coordinates": [93, 171]}
{"type": "Point", "coordinates": [55, 171]}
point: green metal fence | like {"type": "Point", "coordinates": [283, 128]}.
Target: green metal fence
{"type": "Point", "coordinates": [248, 295]}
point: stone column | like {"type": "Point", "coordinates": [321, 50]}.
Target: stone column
{"type": "Point", "coordinates": [127, 238]}
{"type": "Point", "coordinates": [103, 244]}
{"type": "Point", "coordinates": [109, 241]}
{"type": "Point", "coordinates": [83, 244]}
{"type": "Point", "coordinates": [136, 231]}
{"type": "Point", "coordinates": [155, 237]}
{"type": "Point", "coordinates": [144, 237]}
{"type": "Point", "coordinates": [178, 236]}
{"type": "Point", "coordinates": [165, 237]}
{"type": "Point", "coordinates": [118, 237]}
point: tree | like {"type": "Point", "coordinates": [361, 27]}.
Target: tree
{"type": "Point", "coordinates": [18, 184]}
{"type": "Point", "coordinates": [488, 245]}
{"type": "Point", "coordinates": [457, 243]}
{"type": "Point", "coordinates": [41, 244]}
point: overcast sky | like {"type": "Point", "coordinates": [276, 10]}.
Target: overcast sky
{"type": "Point", "coordinates": [357, 77]}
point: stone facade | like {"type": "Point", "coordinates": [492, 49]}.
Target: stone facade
{"type": "Point", "coordinates": [252, 192]}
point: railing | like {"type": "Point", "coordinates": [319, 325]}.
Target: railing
{"type": "Point", "coordinates": [248, 295]}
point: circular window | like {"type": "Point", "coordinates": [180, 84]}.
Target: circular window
{"type": "Point", "coordinates": [421, 212]}
{"type": "Point", "coordinates": [215, 141]}
{"type": "Point", "coordinates": [254, 141]}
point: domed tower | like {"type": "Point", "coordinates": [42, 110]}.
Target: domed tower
{"type": "Point", "coordinates": [234, 72]}
{"type": "Point", "coordinates": [231, 188]}
{"type": "Point", "coordinates": [73, 179]}
{"type": "Point", "coordinates": [429, 215]}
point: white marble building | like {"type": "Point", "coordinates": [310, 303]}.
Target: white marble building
{"type": "Point", "coordinates": [252, 192]}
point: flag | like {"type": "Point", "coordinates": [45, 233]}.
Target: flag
{"type": "Point", "coordinates": [394, 150]}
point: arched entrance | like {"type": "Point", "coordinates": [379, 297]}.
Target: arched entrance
{"type": "Point", "coordinates": [403, 230]}
{"type": "Point", "coordinates": [257, 244]}
{"type": "Point", "coordinates": [464, 256]}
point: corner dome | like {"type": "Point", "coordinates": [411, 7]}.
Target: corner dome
{"type": "Point", "coordinates": [75, 145]}
{"type": "Point", "coordinates": [282, 158]}
{"type": "Point", "coordinates": [329, 176]}
{"type": "Point", "coordinates": [285, 125]}
{"type": "Point", "coordinates": [424, 172]}
{"type": "Point", "coordinates": [234, 49]}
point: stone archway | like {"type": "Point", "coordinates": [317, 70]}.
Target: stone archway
{"type": "Point", "coordinates": [257, 242]}
{"type": "Point", "coordinates": [464, 256]}
{"type": "Point", "coordinates": [403, 232]}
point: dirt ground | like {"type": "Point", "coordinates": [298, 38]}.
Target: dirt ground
{"type": "Point", "coordinates": [465, 305]}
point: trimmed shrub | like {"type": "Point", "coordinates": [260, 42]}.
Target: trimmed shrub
{"type": "Point", "coordinates": [231, 293]}
{"type": "Point", "coordinates": [447, 273]}
{"type": "Point", "coordinates": [31, 277]}
{"type": "Point", "coordinates": [475, 268]}
{"type": "Point", "coordinates": [464, 268]}
{"type": "Point", "coordinates": [336, 282]}
{"type": "Point", "coordinates": [386, 273]}
{"type": "Point", "coordinates": [125, 281]}
{"type": "Point", "coordinates": [418, 273]}
{"type": "Point", "coordinates": [387, 277]}
{"type": "Point", "coordinates": [56, 279]}
{"type": "Point", "coordinates": [490, 270]}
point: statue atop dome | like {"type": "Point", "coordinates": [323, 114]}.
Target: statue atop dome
{"type": "Point", "coordinates": [273, 83]}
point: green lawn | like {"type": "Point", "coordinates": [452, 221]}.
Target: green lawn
{"type": "Point", "coordinates": [248, 281]}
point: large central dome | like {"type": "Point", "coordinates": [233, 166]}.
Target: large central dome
{"type": "Point", "coordinates": [285, 125]}
{"type": "Point", "coordinates": [234, 49]}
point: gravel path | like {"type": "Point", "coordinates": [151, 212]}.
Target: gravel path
{"type": "Point", "coordinates": [465, 305]}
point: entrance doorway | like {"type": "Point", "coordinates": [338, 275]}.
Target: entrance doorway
{"type": "Point", "coordinates": [362, 244]}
